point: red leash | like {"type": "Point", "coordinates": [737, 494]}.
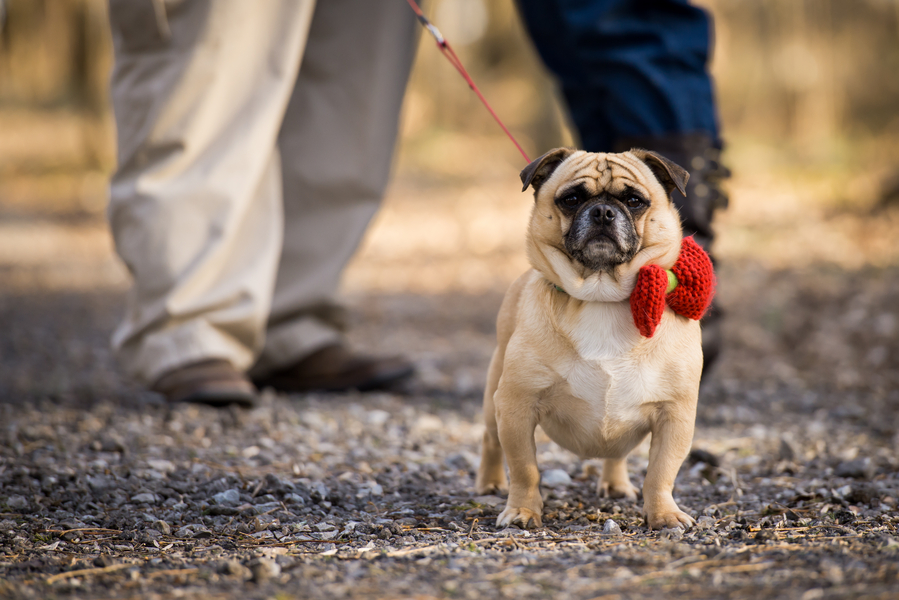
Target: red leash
{"type": "Point", "coordinates": [450, 55]}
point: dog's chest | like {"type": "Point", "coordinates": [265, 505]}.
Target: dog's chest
{"type": "Point", "coordinates": [603, 331]}
{"type": "Point", "coordinates": [597, 409]}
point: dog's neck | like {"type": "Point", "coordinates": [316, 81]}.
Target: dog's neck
{"type": "Point", "coordinates": [672, 283]}
{"type": "Point", "coordinates": [602, 286]}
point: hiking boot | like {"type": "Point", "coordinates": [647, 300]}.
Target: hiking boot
{"type": "Point", "coordinates": [335, 368]}
{"type": "Point", "coordinates": [213, 382]}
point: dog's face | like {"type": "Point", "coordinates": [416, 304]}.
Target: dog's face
{"type": "Point", "coordinates": [602, 209]}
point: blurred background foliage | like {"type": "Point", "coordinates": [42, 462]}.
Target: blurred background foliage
{"type": "Point", "coordinates": [811, 74]}
{"type": "Point", "coordinates": [809, 104]}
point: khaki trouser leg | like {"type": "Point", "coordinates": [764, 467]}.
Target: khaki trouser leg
{"type": "Point", "coordinates": [336, 146]}
{"type": "Point", "coordinates": [199, 95]}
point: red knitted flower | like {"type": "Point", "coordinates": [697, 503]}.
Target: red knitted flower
{"type": "Point", "coordinates": [691, 298]}
{"type": "Point", "coordinates": [648, 299]}
{"type": "Point", "coordinates": [695, 281]}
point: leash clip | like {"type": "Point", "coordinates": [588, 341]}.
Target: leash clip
{"type": "Point", "coordinates": [441, 41]}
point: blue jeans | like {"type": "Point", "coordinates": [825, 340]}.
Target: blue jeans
{"type": "Point", "coordinates": [628, 68]}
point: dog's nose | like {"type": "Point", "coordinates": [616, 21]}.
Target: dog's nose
{"type": "Point", "coordinates": [602, 214]}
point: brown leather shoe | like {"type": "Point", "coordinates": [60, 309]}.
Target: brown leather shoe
{"type": "Point", "coordinates": [334, 369]}
{"type": "Point", "coordinates": [214, 382]}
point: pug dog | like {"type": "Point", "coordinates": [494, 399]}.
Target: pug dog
{"type": "Point", "coordinates": [569, 357]}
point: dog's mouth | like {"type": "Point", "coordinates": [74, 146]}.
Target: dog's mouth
{"type": "Point", "coordinates": [601, 253]}
{"type": "Point", "coordinates": [602, 245]}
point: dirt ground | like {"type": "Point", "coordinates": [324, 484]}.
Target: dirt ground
{"type": "Point", "coordinates": [107, 492]}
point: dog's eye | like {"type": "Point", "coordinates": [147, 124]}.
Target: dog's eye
{"type": "Point", "coordinates": [635, 202]}
{"type": "Point", "coordinates": [570, 201]}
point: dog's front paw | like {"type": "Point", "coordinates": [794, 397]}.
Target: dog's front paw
{"type": "Point", "coordinates": [525, 517]}
{"type": "Point", "coordinates": [618, 489]}
{"type": "Point", "coordinates": [669, 518]}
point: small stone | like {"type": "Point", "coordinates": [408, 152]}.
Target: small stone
{"type": "Point", "coordinates": [148, 536]}
{"type": "Point", "coordinates": [786, 451]}
{"type": "Point", "coordinates": [275, 484]}
{"type": "Point", "coordinates": [462, 461]}
{"type": "Point", "coordinates": [8, 525]}
{"type": "Point", "coordinates": [370, 489]}
{"type": "Point", "coordinates": [844, 517]}
{"type": "Point", "coordinates": [102, 561]}
{"type": "Point", "coordinates": [764, 535]}
{"type": "Point", "coordinates": [705, 522]}
{"type": "Point", "coordinates": [164, 466]}
{"type": "Point", "coordinates": [17, 502]}
{"type": "Point", "coordinates": [145, 498]}
{"type": "Point", "coordinates": [99, 483]}
{"type": "Point", "coordinates": [294, 499]}
{"type": "Point", "coordinates": [267, 507]}
{"type": "Point", "coordinates": [194, 530]}
{"type": "Point", "coordinates": [318, 492]}
{"type": "Point", "coordinates": [264, 569]}
{"type": "Point", "coordinates": [378, 417]}
{"type": "Point", "coordinates": [610, 527]}
{"type": "Point", "coordinates": [555, 478]}
{"type": "Point", "coordinates": [227, 498]}
{"type": "Point", "coordinates": [671, 533]}
{"type": "Point", "coordinates": [233, 568]}
{"type": "Point", "coordinates": [832, 572]}
{"type": "Point", "coordinates": [162, 527]}
{"type": "Point", "coordinates": [113, 444]}
{"type": "Point", "coordinates": [865, 494]}
{"type": "Point", "coordinates": [860, 468]}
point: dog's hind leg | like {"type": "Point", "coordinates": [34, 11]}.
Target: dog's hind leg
{"type": "Point", "coordinates": [614, 482]}
{"type": "Point", "coordinates": [491, 474]}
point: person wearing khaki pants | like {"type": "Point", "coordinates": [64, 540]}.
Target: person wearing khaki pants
{"type": "Point", "coordinates": [254, 145]}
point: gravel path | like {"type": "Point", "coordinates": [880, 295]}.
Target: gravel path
{"type": "Point", "coordinates": [106, 492]}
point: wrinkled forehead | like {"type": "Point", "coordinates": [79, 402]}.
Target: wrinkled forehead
{"type": "Point", "coordinates": [612, 173]}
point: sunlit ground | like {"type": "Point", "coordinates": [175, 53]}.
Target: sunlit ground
{"type": "Point", "coordinates": [454, 217]}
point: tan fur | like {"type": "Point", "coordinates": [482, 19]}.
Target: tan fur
{"type": "Point", "coordinates": [574, 362]}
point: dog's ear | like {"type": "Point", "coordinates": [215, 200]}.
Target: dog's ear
{"type": "Point", "coordinates": [539, 171]}
{"type": "Point", "coordinates": [670, 175]}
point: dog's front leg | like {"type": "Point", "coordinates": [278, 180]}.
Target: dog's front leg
{"type": "Point", "coordinates": [517, 421]}
{"type": "Point", "coordinates": [672, 435]}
